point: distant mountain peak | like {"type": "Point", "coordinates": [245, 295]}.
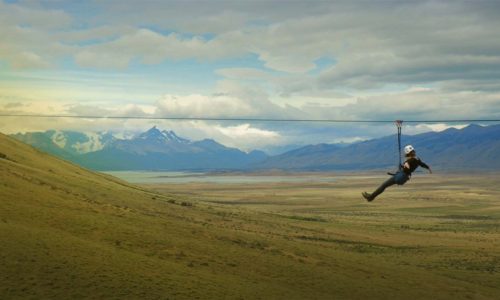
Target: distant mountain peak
{"type": "Point", "coordinates": [151, 134]}
{"type": "Point", "coordinates": [153, 130]}
{"type": "Point", "coordinates": [165, 136]}
{"type": "Point", "coordinates": [473, 126]}
{"type": "Point", "coordinates": [171, 136]}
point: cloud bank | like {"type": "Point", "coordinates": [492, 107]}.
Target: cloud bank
{"type": "Point", "coordinates": [260, 59]}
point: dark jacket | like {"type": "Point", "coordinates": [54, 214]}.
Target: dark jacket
{"type": "Point", "coordinates": [414, 163]}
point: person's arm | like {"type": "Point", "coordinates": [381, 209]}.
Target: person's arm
{"type": "Point", "coordinates": [424, 165]}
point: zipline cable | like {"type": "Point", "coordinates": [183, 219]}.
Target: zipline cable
{"type": "Point", "coordinates": [245, 119]}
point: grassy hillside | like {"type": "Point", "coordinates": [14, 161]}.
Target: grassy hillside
{"type": "Point", "coordinates": [68, 233]}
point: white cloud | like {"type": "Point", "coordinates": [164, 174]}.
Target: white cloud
{"type": "Point", "coordinates": [348, 140]}
{"type": "Point", "coordinates": [93, 35]}
{"type": "Point", "coordinates": [151, 48]}
{"type": "Point", "coordinates": [413, 89]}
{"type": "Point", "coordinates": [426, 105]}
{"type": "Point", "coordinates": [27, 59]}
{"type": "Point", "coordinates": [246, 131]}
{"type": "Point", "coordinates": [34, 17]}
{"type": "Point", "coordinates": [243, 136]}
{"type": "Point", "coordinates": [26, 36]}
{"type": "Point", "coordinates": [230, 99]}
{"type": "Point", "coordinates": [99, 59]}
{"type": "Point", "coordinates": [87, 110]}
{"type": "Point", "coordinates": [203, 106]}
{"type": "Point", "coordinates": [244, 74]}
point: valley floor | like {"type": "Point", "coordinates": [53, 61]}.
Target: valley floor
{"type": "Point", "coordinates": [437, 237]}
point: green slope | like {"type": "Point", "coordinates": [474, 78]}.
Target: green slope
{"type": "Point", "coordinates": [68, 233]}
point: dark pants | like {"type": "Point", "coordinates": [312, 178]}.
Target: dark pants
{"type": "Point", "coordinates": [399, 178]}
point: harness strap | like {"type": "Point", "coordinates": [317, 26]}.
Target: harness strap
{"type": "Point", "coordinates": [399, 124]}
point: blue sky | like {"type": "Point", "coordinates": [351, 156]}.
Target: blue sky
{"type": "Point", "coordinates": [279, 59]}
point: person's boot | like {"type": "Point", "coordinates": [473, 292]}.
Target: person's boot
{"type": "Point", "coordinates": [367, 196]}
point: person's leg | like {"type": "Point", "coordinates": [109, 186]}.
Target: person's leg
{"type": "Point", "coordinates": [381, 188]}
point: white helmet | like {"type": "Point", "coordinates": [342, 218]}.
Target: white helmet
{"type": "Point", "coordinates": [408, 149]}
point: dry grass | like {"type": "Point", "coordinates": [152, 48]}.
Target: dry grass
{"type": "Point", "coordinates": [69, 233]}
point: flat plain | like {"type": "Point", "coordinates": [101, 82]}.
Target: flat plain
{"type": "Point", "coordinates": [437, 235]}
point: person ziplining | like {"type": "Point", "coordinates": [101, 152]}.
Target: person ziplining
{"type": "Point", "coordinates": [404, 170]}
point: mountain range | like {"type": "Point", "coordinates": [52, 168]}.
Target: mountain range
{"type": "Point", "coordinates": [473, 147]}
{"type": "Point", "coordinates": [150, 150]}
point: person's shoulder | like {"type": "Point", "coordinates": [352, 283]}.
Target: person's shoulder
{"type": "Point", "coordinates": [413, 160]}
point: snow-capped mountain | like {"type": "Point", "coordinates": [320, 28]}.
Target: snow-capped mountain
{"type": "Point", "coordinates": [165, 136]}
{"type": "Point", "coordinates": [471, 148]}
{"type": "Point", "coordinates": [72, 142]}
{"type": "Point", "coordinates": [150, 150]}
